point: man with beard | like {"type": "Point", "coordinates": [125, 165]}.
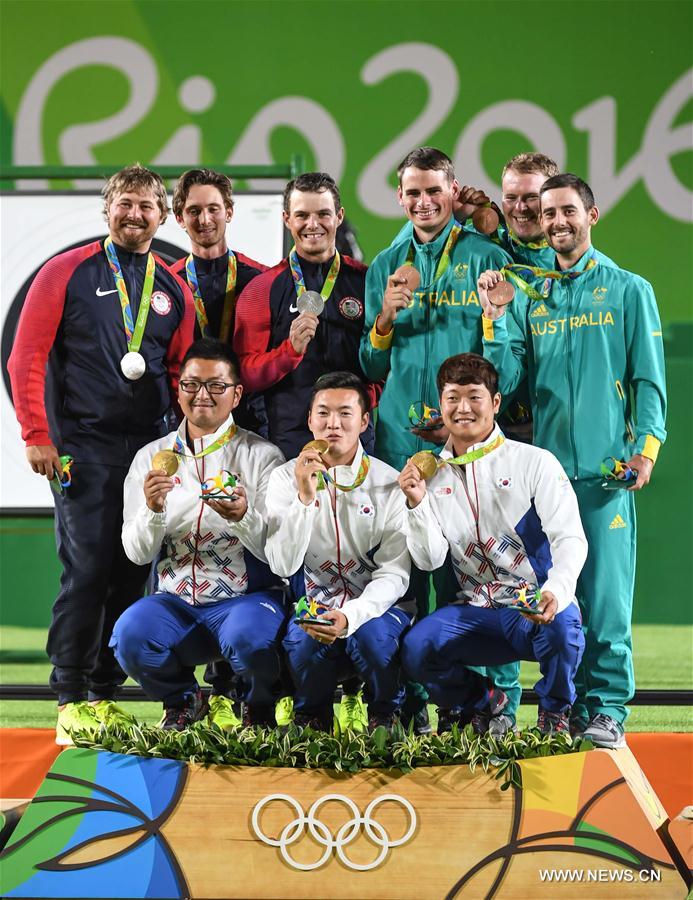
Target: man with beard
{"type": "Point", "coordinates": [588, 337]}
{"type": "Point", "coordinates": [111, 323]}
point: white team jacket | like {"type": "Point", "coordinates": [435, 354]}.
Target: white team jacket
{"type": "Point", "coordinates": [203, 558]}
{"type": "Point", "coordinates": [529, 532]}
{"type": "Point", "coordinates": [355, 558]}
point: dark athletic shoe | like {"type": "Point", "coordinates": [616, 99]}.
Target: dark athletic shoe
{"type": "Point", "coordinates": [178, 718]}
{"type": "Point", "coordinates": [552, 722]}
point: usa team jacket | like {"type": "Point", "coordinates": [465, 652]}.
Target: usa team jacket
{"type": "Point", "coordinates": [72, 324]}
{"type": "Point", "coordinates": [510, 521]}
{"type": "Point", "coordinates": [202, 557]}
{"type": "Point", "coordinates": [593, 354]}
{"type": "Point", "coordinates": [443, 319]}
{"type": "Point", "coordinates": [268, 360]}
{"type": "Point", "coordinates": [211, 277]}
{"type": "Point", "coordinates": [351, 547]}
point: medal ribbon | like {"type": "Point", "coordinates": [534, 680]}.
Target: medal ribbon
{"type": "Point", "coordinates": [516, 271]}
{"type": "Point", "coordinates": [229, 299]}
{"type": "Point", "coordinates": [472, 456]}
{"type": "Point", "coordinates": [133, 333]}
{"type": "Point", "coordinates": [221, 441]}
{"type": "Point", "coordinates": [444, 260]}
{"type": "Point", "coordinates": [532, 245]}
{"type": "Point", "coordinates": [297, 274]}
{"type": "Point", "coordinates": [358, 481]}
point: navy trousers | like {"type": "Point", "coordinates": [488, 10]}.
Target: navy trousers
{"type": "Point", "coordinates": [372, 652]}
{"type": "Point", "coordinates": [439, 648]}
{"type": "Point", "coordinates": [160, 639]}
{"type": "Point", "coordinates": [97, 584]}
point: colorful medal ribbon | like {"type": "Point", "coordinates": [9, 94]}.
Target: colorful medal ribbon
{"type": "Point", "coordinates": [133, 333]}
{"type": "Point", "coordinates": [516, 271]}
{"type": "Point", "coordinates": [229, 299]}
{"type": "Point", "coordinates": [297, 273]}
{"type": "Point", "coordinates": [444, 260]}
{"type": "Point", "coordinates": [532, 245]}
{"type": "Point", "coordinates": [221, 441]}
{"type": "Point", "coordinates": [358, 481]}
{"type": "Point", "coordinates": [472, 456]}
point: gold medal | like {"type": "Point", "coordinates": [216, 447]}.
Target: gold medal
{"type": "Point", "coordinates": [166, 460]}
{"type": "Point", "coordinates": [320, 446]}
{"type": "Point", "coordinates": [426, 463]}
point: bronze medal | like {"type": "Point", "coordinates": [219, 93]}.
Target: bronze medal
{"type": "Point", "coordinates": [411, 275]}
{"type": "Point", "coordinates": [426, 463]}
{"type": "Point", "coordinates": [501, 294]}
{"type": "Point", "coordinates": [166, 460]}
{"type": "Point", "coordinates": [485, 219]}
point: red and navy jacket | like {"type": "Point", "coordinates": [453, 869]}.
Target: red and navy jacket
{"type": "Point", "coordinates": [67, 385]}
{"type": "Point", "coordinates": [268, 360]}
{"type": "Point", "coordinates": [211, 277]}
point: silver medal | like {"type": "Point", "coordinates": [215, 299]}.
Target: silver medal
{"type": "Point", "coordinates": [310, 302]}
{"type": "Point", "coordinates": [133, 366]}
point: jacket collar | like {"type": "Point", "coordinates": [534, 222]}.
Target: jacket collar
{"type": "Point", "coordinates": [206, 439]}
{"type": "Point", "coordinates": [448, 451]}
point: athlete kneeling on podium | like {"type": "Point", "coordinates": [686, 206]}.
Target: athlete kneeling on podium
{"type": "Point", "coordinates": [196, 501]}
{"type": "Point", "coordinates": [336, 514]}
{"type": "Point", "coordinates": [508, 515]}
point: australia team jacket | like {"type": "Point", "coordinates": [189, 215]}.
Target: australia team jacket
{"type": "Point", "coordinates": [72, 324]}
{"type": "Point", "coordinates": [510, 521]}
{"type": "Point", "coordinates": [268, 360]}
{"type": "Point", "coordinates": [203, 557]}
{"type": "Point", "coordinates": [593, 355]}
{"type": "Point", "coordinates": [443, 319]}
{"type": "Point", "coordinates": [351, 546]}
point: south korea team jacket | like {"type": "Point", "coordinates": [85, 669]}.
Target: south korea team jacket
{"type": "Point", "coordinates": [349, 543]}
{"type": "Point", "coordinates": [593, 355]}
{"type": "Point", "coordinates": [201, 556]}
{"type": "Point", "coordinates": [510, 521]}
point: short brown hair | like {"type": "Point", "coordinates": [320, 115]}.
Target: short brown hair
{"type": "Point", "coordinates": [332, 381]}
{"type": "Point", "coordinates": [427, 158]}
{"type": "Point", "coordinates": [568, 180]}
{"type": "Point", "coordinates": [312, 183]}
{"type": "Point", "coordinates": [205, 177]}
{"type": "Point", "coordinates": [468, 368]}
{"type": "Point", "coordinates": [531, 163]}
{"type": "Point", "coordinates": [135, 178]}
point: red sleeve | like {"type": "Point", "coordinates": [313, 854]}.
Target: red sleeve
{"type": "Point", "coordinates": [38, 326]}
{"type": "Point", "coordinates": [260, 367]}
{"type": "Point", "coordinates": [181, 339]}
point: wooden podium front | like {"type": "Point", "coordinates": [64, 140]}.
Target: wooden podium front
{"type": "Point", "coordinates": [109, 826]}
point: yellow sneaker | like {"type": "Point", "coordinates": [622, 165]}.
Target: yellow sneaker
{"type": "Point", "coordinates": [284, 711]}
{"type": "Point", "coordinates": [75, 718]}
{"type": "Point", "coordinates": [352, 714]}
{"type": "Point", "coordinates": [109, 713]}
{"type": "Point", "coordinates": [221, 713]}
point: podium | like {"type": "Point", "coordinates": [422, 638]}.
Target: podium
{"type": "Point", "coordinates": [105, 825]}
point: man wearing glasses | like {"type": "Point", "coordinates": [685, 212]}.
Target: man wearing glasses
{"type": "Point", "coordinates": [195, 500]}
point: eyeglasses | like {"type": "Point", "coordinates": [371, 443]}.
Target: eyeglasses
{"type": "Point", "coordinates": [212, 387]}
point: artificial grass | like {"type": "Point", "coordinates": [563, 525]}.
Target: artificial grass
{"type": "Point", "coordinates": [663, 657]}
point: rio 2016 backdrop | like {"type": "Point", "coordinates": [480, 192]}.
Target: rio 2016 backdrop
{"type": "Point", "coordinates": [605, 88]}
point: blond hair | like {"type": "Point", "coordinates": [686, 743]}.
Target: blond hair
{"type": "Point", "coordinates": [135, 178]}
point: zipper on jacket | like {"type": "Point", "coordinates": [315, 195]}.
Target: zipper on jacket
{"type": "Point", "coordinates": [629, 425]}
{"type": "Point", "coordinates": [571, 401]}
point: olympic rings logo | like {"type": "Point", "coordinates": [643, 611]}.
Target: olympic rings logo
{"type": "Point", "coordinates": [345, 835]}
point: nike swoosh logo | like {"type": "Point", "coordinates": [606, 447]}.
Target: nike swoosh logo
{"type": "Point", "coordinates": [100, 293]}
{"type": "Point", "coordinates": [293, 309]}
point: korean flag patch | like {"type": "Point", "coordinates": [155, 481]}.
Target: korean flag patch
{"type": "Point", "coordinates": [504, 482]}
{"type": "Point", "coordinates": [367, 510]}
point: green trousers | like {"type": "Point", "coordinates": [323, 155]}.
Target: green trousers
{"type": "Point", "coordinates": [605, 680]}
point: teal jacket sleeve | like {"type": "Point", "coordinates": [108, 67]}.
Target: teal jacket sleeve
{"type": "Point", "coordinates": [375, 349]}
{"type": "Point", "coordinates": [645, 355]}
{"type": "Point", "coordinates": [505, 345]}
